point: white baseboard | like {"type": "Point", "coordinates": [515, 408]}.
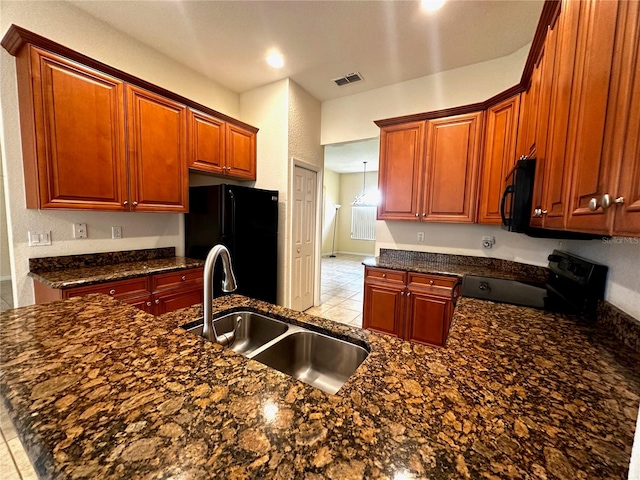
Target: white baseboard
{"type": "Point", "coordinates": [356, 253]}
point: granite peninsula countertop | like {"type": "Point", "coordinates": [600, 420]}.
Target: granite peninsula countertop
{"type": "Point", "coordinates": [78, 276]}
{"type": "Point", "coordinates": [456, 265]}
{"type": "Point", "coordinates": [100, 389]}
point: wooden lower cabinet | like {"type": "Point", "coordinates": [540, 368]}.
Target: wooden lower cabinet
{"type": "Point", "coordinates": [411, 306]}
{"type": "Point", "coordinates": [155, 294]}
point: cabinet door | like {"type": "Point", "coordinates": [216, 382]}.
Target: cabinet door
{"type": "Point", "coordinates": [157, 132]}
{"type": "Point", "coordinates": [384, 309]}
{"type": "Point", "coordinates": [592, 171]}
{"type": "Point", "coordinates": [177, 299]}
{"type": "Point", "coordinates": [544, 116]}
{"type": "Point", "coordinates": [499, 156]}
{"type": "Point", "coordinates": [428, 318]}
{"type": "Point", "coordinates": [80, 159]}
{"type": "Point", "coordinates": [451, 173]}
{"type": "Point", "coordinates": [555, 181]}
{"type": "Point", "coordinates": [400, 171]}
{"type": "Point", "coordinates": [627, 214]}
{"type": "Point", "coordinates": [206, 143]}
{"type": "Point", "coordinates": [241, 153]}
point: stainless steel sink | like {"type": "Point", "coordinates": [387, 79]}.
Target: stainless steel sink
{"type": "Point", "coordinates": [313, 358]}
{"type": "Point", "coordinates": [318, 360]}
{"type": "Point", "coordinates": [254, 331]}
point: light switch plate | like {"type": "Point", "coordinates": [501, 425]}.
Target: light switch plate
{"type": "Point", "coordinates": [39, 239]}
{"type": "Point", "coordinates": [79, 230]}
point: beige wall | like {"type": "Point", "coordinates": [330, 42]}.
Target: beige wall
{"type": "Point", "coordinates": [5, 262]}
{"type": "Point", "coordinates": [331, 197]}
{"type": "Point", "coordinates": [350, 186]}
{"type": "Point", "coordinates": [351, 118]}
{"type": "Point", "coordinates": [66, 24]}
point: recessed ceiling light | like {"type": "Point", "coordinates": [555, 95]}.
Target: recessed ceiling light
{"type": "Point", "coordinates": [432, 5]}
{"type": "Point", "coordinates": [275, 60]}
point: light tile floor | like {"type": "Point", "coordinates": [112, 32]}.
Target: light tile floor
{"type": "Point", "coordinates": [342, 289]}
{"type": "Point", "coordinates": [14, 462]}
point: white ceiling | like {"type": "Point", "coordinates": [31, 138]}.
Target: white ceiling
{"type": "Point", "coordinates": [348, 157]}
{"type": "Point", "coordinates": [386, 41]}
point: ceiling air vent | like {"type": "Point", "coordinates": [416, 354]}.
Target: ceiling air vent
{"type": "Point", "coordinates": [348, 78]}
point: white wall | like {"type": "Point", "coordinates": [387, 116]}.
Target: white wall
{"type": "Point", "coordinates": [351, 118]}
{"type": "Point", "coordinates": [65, 24]}
{"type": "Point", "coordinates": [267, 108]}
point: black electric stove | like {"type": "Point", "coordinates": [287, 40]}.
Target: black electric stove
{"type": "Point", "coordinates": [574, 285]}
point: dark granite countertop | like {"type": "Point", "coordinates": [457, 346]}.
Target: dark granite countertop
{"type": "Point", "coordinates": [456, 265]}
{"type": "Point", "coordinates": [100, 389]}
{"type": "Point", "coordinates": [88, 275]}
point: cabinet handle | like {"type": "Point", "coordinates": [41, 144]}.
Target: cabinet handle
{"type": "Point", "coordinates": [135, 204]}
{"type": "Point", "coordinates": [148, 304]}
{"type": "Point", "coordinates": [112, 291]}
{"type": "Point", "coordinates": [125, 203]}
{"type": "Point", "coordinates": [184, 277]}
{"type": "Point", "coordinates": [157, 301]}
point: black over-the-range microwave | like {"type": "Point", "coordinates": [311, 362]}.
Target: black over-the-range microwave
{"type": "Point", "coordinates": [516, 204]}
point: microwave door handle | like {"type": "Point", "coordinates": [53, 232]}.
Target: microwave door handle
{"type": "Point", "coordinates": [505, 221]}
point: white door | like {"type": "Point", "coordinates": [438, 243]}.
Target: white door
{"type": "Point", "coordinates": [304, 238]}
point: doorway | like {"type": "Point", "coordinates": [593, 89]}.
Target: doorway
{"type": "Point", "coordinates": [303, 258]}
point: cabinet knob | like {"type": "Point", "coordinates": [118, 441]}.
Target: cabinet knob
{"type": "Point", "coordinates": [593, 204]}
{"type": "Point", "coordinates": [424, 214]}
{"type": "Point", "coordinates": [606, 201]}
{"type": "Point", "coordinates": [417, 214]}
{"type": "Point", "coordinates": [112, 291]}
{"type": "Point", "coordinates": [430, 282]}
{"type": "Point", "coordinates": [408, 294]}
{"type": "Point", "coordinates": [184, 277]}
{"type": "Point", "coordinates": [157, 301]}
{"type": "Point", "coordinates": [148, 304]}
{"type": "Point", "coordinates": [384, 275]}
{"type": "Point", "coordinates": [125, 203]}
{"type": "Point", "coordinates": [402, 293]}
{"type": "Point", "coordinates": [135, 204]}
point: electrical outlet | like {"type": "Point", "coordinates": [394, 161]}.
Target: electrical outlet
{"type": "Point", "coordinates": [116, 232]}
{"type": "Point", "coordinates": [488, 241]}
{"type": "Point", "coordinates": [39, 239]}
{"type": "Point", "coordinates": [421, 236]}
{"type": "Point", "coordinates": [79, 230]}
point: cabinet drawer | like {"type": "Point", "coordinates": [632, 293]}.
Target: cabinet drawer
{"type": "Point", "coordinates": [432, 283]}
{"type": "Point", "coordinates": [385, 275]}
{"type": "Point", "coordinates": [168, 281]}
{"type": "Point", "coordinates": [121, 290]}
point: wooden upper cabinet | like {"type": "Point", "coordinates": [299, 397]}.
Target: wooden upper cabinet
{"type": "Point", "coordinates": [400, 171]}
{"type": "Point", "coordinates": [241, 152]}
{"type": "Point", "coordinates": [451, 172]}
{"type": "Point", "coordinates": [157, 129]}
{"type": "Point", "coordinates": [592, 116]}
{"type": "Point", "coordinates": [72, 122]}
{"type": "Point", "coordinates": [499, 156]}
{"type": "Point", "coordinates": [206, 143]}
{"type": "Point", "coordinates": [554, 177]}
{"type": "Point", "coordinates": [627, 132]}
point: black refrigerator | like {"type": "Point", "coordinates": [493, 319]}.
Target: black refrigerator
{"type": "Point", "coordinates": [245, 220]}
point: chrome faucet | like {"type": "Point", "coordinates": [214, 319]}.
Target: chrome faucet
{"type": "Point", "coordinates": [228, 285]}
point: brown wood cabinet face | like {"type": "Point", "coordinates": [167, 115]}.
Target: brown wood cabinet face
{"type": "Point", "coordinates": [157, 129]}
{"type": "Point", "coordinates": [428, 318]}
{"type": "Point", "coordinates": [592, 172]}
{"type": "Point", "coordinates": [79, 130]}
{"type": "Point", "coordinates": [207, 143]}
{"type": "Point", "coordinates": [627, 215]}
{"type": "Point", "coordinates": [544, 116]}
{"type": "Point", "coordinates": [499, 156]}
{"type": "Point", "coordinates": [555, 181]}
{"type": "Point", "coordinates": [384, 308]}
{"type": "Point", "coordinates": [176, 299]}
{"type": "Point", "coordinates": [451, 173]}
{"type": "Point", "coordinates": [120, 290]}
{"type": "Point", "coordinates": [400, 171]}
{"type": "Point", "coordinates": [241, 153]}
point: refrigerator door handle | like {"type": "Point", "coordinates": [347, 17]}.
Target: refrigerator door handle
{"type": "Point", "coordinates": [233, 211]}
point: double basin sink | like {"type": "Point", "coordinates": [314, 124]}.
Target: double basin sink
{"type": "Point", "coordinates": [314, 358]}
